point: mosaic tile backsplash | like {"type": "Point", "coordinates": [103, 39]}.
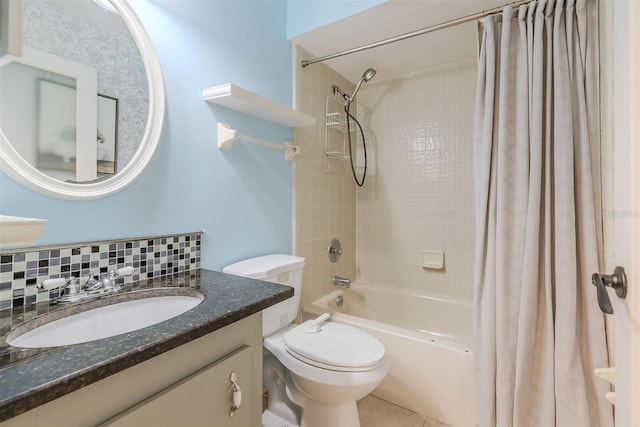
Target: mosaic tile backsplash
{"type": "Point", "coordinates": [21, 270]}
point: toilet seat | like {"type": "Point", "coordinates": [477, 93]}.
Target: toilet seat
{"type": "Point", "coordinates": [274, 343]}
{"type": "Point", "coordinates": [334, 346]}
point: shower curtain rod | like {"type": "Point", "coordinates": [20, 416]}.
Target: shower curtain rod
{"type": "Point", "coordinates": [430, 29]}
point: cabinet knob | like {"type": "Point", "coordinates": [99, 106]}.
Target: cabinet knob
{"type": "Point", "coordinates": [236, 393]}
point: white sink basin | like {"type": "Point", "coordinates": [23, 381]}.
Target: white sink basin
{"type": "Point", "coordinates": [106, 321]}
{"type": "Point", "coordinates": [18, 231]}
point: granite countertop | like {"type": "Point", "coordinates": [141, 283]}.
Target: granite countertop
{"type": "Point", "coordinates": [32, 377]}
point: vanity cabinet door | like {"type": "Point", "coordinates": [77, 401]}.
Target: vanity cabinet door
{"type": "Point", "coordinates": [204, 398]}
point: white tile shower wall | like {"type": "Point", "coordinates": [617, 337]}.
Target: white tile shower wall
{"type": "Point", "coordinates": [419, 194]}
{"type": "Point", "coordinates": [324, 202]}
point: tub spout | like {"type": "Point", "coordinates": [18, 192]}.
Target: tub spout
{"type": "Point", "coordinates": [342, 281]}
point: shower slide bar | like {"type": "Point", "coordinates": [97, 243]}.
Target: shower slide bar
{"type": "Point", "coordinates": [441, 26]}
{"type": "Point", "coordinates": [227, 136]}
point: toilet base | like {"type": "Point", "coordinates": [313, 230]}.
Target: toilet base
{"type": "Point", "coordinates": [318, 414]}
{"type": "Point", "coordinates": [272, 419]}
{"type": "Point", "coordinates": [281, 412]}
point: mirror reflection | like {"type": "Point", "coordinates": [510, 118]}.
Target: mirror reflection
{"type": "Point", "coordinates": [75, 105]}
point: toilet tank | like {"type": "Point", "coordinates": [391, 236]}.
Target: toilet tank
{"type": "Point", "coordinates": [277, 268]}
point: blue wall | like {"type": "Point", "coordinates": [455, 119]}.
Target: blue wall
{"type": "Point", "coordinates": [307, 15]}
{"type": "Point", "coordinates": [242, 198]}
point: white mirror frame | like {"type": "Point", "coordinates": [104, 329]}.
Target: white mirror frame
{"type": "Point", "coordinates": [21, 171]}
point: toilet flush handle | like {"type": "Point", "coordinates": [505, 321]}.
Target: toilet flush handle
{"type": "Point", "coordinates": [314, 325]}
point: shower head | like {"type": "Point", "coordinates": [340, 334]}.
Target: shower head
{"type": "Point", "coordinates": [366, 76]}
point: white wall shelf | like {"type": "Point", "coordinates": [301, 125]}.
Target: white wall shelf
{"type": "Point", "coordinates": [239, 99]}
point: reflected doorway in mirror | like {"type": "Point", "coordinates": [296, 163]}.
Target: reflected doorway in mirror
{"type": "Point", "coordinates": [57, 127]}
{"type": "Point", "coordinates": [107, 135]}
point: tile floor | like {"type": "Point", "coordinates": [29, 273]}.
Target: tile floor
{"type": "Point", "coordinates": [375, 412]}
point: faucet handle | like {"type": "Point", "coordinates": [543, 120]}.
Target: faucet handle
{"type": "Point", "coordinates": [49, 284]}
{"type": "Point", "coordinates": [126, 271]}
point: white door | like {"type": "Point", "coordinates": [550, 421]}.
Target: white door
{"type": "Point", "coordinates": [626, 129]}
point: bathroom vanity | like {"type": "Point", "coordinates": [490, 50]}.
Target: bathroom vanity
{"type": "Point", "coordinates": [176, 372]}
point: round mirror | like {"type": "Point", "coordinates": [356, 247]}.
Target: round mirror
{"type": "Point", "coordinates": [82, 103]}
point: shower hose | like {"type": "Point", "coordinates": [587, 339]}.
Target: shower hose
{"type": "Point", "coordinates": [364, 146]}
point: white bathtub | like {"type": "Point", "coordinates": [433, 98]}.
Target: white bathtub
{"type": "Point", "coordinates": [428, 343]}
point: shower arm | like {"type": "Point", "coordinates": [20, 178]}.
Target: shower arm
{"type": "Point", "coordinates": [336, 89]}
{"type": "Point", "coordinates": [348, 99]}
{"type": "Point", "coordinates": [368, 74]}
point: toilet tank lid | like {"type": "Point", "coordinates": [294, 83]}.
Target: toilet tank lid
{"type": "Point", "coordinates": [264, 266]}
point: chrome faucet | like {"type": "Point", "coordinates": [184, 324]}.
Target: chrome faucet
{"type": "Point", "coordinates": [345, 282]}
{"type": "Point", "coordinates": [73, 291]}
{"type": "Point", "coordinates": [105, 283]}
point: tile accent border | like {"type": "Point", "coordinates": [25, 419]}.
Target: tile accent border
{"type": "Point", "coordinates": [22, 269]}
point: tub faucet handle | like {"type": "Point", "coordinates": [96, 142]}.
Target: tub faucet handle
{"type": "Point", "coordinates": [335, 250]}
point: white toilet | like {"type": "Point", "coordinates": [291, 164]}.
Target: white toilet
{"type": "Point", "coordinates": [322, 368]}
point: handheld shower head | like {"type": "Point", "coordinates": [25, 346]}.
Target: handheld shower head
{"type": "Point", "coordinates": [366, 76]}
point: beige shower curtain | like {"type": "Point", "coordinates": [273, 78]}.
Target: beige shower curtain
{"type": "Point", "coordinates": [538, 330]}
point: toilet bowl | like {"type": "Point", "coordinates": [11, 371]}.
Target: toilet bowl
{"type": "Point", "coordinates": [315, 372]}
